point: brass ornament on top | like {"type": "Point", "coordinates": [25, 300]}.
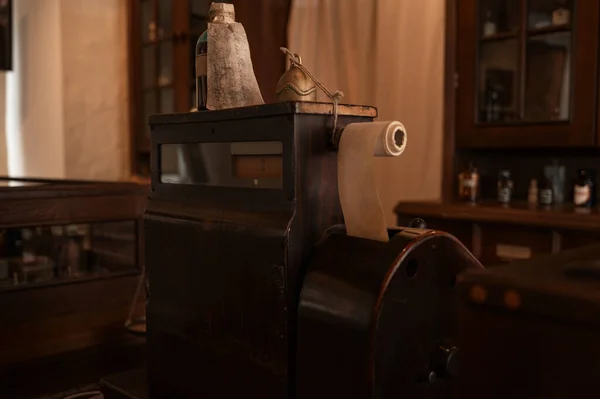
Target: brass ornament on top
{"type": "Point", "coordinates": [295, 84]}
{"type": "Point", "coordinates": [299, 84]}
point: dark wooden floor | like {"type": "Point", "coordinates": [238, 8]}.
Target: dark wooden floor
{"type": "Point", "coordinates": [48, 376]}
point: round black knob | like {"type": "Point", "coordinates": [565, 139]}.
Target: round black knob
{"type": "Point", "coordinates": [431, 377]}
{"type": "Point", "coordinates": [417, 223]}
{"type": "Point", "coordinates": [427, 376]}
{"type": "Point", "coordinates": [445, 361]}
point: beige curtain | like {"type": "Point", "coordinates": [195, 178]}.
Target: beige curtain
{"type": "Point", "coordinates": [387, 53]}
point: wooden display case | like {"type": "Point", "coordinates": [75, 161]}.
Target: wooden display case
{"type": "Point", "coordinates": [540, 69]}
{"type": "Point", "coordinates": [70, 262]}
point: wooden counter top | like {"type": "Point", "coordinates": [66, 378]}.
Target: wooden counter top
{"type": "Point", "coordinates": [565, 216]}
{"type": "Point", "coordinates": [273, 109]}
{"type": "Point", "coordinates": [37, 202]}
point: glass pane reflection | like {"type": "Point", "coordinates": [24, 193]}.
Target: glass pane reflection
{"type": "Point", "coordinates": [165, 72]}
{"type": "Point", "coordinates": [257, 164]}
{"type": "Point", "coordinates": [147, 24]}
{"type": "Point", "coordinates": [546, 13]}
{"type": "Point", "coordinates": [498, 81]}
{"type": "Point", "coordinates": [548, 77]}
{"type": "Point", "coordinates": [165, 19]}
{"type": "Point", "coordinates": [167, 101]}
{"type": "Point", "coordinates": [47, 254]}
{"type": "Point", "coordinates": [149, 66]}
{"type": "Point", "coordinates": [497, 17]}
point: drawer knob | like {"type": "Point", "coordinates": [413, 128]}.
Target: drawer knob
{"type": "Point", "coordinates": [445, 361]}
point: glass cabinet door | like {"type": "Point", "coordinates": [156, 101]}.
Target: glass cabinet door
{"type": "Point", "coordinates": [157, 61]}
{"type": "Point", "coordinates": [539, 89]}
{"type": "Point", "coordinates": [499, 61]}
{"type": "Point", "coordinates": [163, 50]}
{"type": "Point", "coordinates": [548, 61]}
{"type": "Point", "coordinates": [149, 74]}
{"type": "Point", "coordinates": [524, 64]}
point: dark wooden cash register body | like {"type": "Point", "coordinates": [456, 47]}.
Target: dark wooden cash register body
{"type": "Point", "coordinates": [254, 291]}
{"type": "Point", "coordinates": [221, 317]}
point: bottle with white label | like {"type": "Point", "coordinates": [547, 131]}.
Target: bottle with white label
{"type": "Point", "coordinates": [584, 192]}
{"type": "Point", "coordinates": [505, 187]}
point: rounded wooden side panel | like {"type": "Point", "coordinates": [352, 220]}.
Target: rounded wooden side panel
{"type": "Point", "coordinates": [377, 319]}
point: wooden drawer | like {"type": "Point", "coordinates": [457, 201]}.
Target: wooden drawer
{"type": "Point", "coordinates": [571, 239]}
{"type": "Point", "coordinates": [500, 244]}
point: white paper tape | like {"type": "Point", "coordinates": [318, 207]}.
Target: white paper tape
{"type": "Point", "coordinates": [359, 197]}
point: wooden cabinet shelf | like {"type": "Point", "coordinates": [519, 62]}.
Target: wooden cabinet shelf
{"type": "Point", "coordinates": [496, 234]}
{"type": "Point", "coordinates": [500, 36]}
{"type": "Point", "coordinates": [160, 86]}
{"type": "Point", "coordinates": [548, 29]}
{"type": "Point", "coordinates": [559, 217]}
{"type": "Point", "coordinates": [149, 43]}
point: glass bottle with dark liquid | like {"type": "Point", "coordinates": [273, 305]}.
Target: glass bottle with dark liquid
{"type": "Point", "coordinates": [201, 71]}
{"type": "Point", "coordinates": [505, 187]}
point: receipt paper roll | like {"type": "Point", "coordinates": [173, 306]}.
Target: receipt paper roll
{"type": "Point", "coordinates": [360, 143]}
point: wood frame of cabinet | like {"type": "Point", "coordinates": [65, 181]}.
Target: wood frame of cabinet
{"type": "Point", "coordinates": [579, 131]}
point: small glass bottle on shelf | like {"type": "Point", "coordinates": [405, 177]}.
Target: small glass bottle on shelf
{"type": "Point", "coordinates": [561, 14]}
{"type": "Point", "coordinates": [201, 71]}
{"type": "Point", "coordinates": [532, 197]}
{"type": "Point", "coordinates": [152, 31]}
{"type": "Point", "coordinates": [468, 184]}
{"type": "Point", "coordinates": [546, 193]}
{"type": "Point", "coordinates": [505, 187]}
{"type": "Point", "coordinates": [28, 245]}
{"type": "Point", "coordinates": [489, 26]}
{"type": "Point", "coordinates": [492, 104]}
{"type": "Point", "coordinates": [584, 192]}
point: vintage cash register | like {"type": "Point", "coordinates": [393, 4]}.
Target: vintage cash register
{"type": "Point", "coordinates": [254, 286]}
